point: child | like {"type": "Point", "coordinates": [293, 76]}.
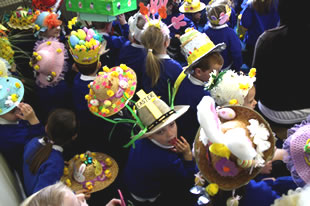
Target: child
{"type": "Point", "coordinates": [193, 10]}
{"type": "Point", "coordinates": [48, 25]}
{"type": "Point", "coordinates": [256, 17]}
{"type": "Point", "coordinates": [153, 166]}
{"type": "Point", "coordinates": [218, 13]}
{"type": "Point", "coordinates": [133, 51]}
{"type": "Point", "coordinates": [43, 161]}
{"type": "Point", "coordinates": [18, 122]}
{"type": "Point", "coordinates": [160, 68]}
{"type": "Point", "coordinates": [51, 90]}
{"type": "Point", "coordinates": [191, 89]}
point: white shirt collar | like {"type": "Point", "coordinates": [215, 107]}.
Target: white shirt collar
{"type": "Point", "coordinates": [195, 81]}
{"type": "Point", "coordinates": [217, 27]}
{"type": "Point", "coordinates": [55, 147]}
{"type": "Point", "coordinates": [163, 56]}
{"type": "Point", "coordinates": [87, 78]}
{"type": "Point", "coordinates": [4, 121]}
{"type": "Point", "coordinates": [161, 145]}
{"type": "Point", "coordinates": [137, 45]}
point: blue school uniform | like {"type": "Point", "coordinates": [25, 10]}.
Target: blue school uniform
{"type": "Point", "coordinates": [52, 97]}
{"type": "Point", "coordinates": [232, 54]}
{"type": "Point", "coordinates": [256, 23]}
{"type": "Point", "coordinates": [150, 167]}
{"type": "Point", "coordinates": [170, 70]}
{"type": "Point", "coordinates": [13, 138]}
{"type": "Point", "coordinates": [190, 92]}
{"type": "Point", "coordinates": [48, 173]}
{"type": "Point", "coordinates": [133, 55]}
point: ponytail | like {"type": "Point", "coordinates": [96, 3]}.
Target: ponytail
{"type": "Point", "coordinates": [40, 155]}
{"type": "Point", "coordinates": [153, 40]}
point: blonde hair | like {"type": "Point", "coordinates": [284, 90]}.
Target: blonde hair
{"type": "Point", "coordinates": [153, 40]}
{"type": "Point", "coordinates": [52, 195]}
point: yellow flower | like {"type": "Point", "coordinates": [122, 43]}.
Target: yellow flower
{"type": "Point", "coordinates": [35, 54]}
{"type": "Point", "coordinates": [110, 93]}
{"type": "Point", "coordinates": [38, 58]}
{"type": "Point", "coordinates": [89, 185]}
{"type": "Point", "coordinates": [124, 67]}
{"type": "Point", "coordinates": [37, 27]}
{"type": "Point", "coordinates": [59, 50]}
{"type": "Point", "coordinates": [233, 101]}
{"type": "Point", "coordinates": [53, 74]}
{"type": "Point", "coordinates": [36, 67]}
{"type": "Point", "coordinates": [244, 86]}
{"type": "Point", "coordinates": [108, 161]}
{"type": "Point", "coordinates": [212, 189]}
{"type": "Point", "coordinates": [94, 109]}
{"type": "Point", "coordinates": [49, 43]}
{"type": "Point", "coordinates": [252, 72]}
{"type": "Point", "coordinates": [108, 173]}
{"type": "Point", "coordinates": [30, 64]}
{"type": "Point", "coordinates": [87, 97]}
{"type": "Point", "coordinates": [66, 171]}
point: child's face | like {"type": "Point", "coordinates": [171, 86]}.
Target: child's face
{"type": "Point", "coordinates": [249, 100]}
{"type": "Point", "coordinates": [54, 32]}
{"type": "Point", "coordinates": [196, 17]}
{"type": "Point", "coordinates": [166, 135]}
{"type": "Point", "coordinates": [205, 75]}
{"type": "Point", "coordinates": [11, 116]}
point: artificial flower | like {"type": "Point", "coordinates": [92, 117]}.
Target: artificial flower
{"type": "Point", "coordinates": [212, 189]}
{"type": "Point", "coordinates": [162, 11]}
{"type": "Point", "coordinates": [226, 168]}
{"type": "Point", "coordinates": [252, 72]}
{"type": "Point", "coordinates": [244, 86]}
{"type": "Point", "coordinates": [143, 9]}
{"type": "Point", "coordinates": [233, 101]}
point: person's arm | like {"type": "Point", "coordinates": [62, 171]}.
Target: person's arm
{"type": "Point", "coordinates": [27, 113]}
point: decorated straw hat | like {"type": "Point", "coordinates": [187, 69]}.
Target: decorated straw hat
{"type": "Point", "coordinates": [232, 145]}
{"type": "Point", "coordinates": [111, 90]}
{"type": "Point", "coordinates": [11, 93]}
{"type": "Point", "coordinates": [192, 6]}
{"type": "Point", "coordinates": [297, 146]}
{"type": "Point", "coordinates": [195, 45]}
{"type": "Point", "coordinates": [46, 20]}
{"type": "Point", "coordinates": [4, 67]}
{"type": "Point", "coordinates": [93, 171]}
{"type": "Point", "coordinates": [6, 51]}
{"type": "Point", "coordinates": [84, 45]}
{"type": "Point", "coordinates": [22, 18]}
{"type": "Point", "coordinates": [229, 87]}
{"type": "Point", "coordinates": [49, 71]}
{"type": "Point", "coordinates": [218, 12]}
{"type": "Point", "coordinates": [154, 113]}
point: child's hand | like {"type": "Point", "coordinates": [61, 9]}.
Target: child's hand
{"type": "Point", "coordinates": [184, 148]}
{"type": "Point", "coordinates": [27, 113]}
{"type": "Point", "coordinates": [85, 192]}
{"type": "Point", "coordinates": [114, 202]}
{"type": "Point", "coordinates": [122, 19]}
{"type": "Point", "coordinates": [267, 169]}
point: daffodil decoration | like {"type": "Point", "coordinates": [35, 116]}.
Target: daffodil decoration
{"type": "Point", "coordinates": [214, 79]}
{"type": "Point", "coordinates": [72, 22]}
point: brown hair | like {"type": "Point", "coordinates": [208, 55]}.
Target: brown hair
{"type": "Point", "coordinates": [153, 40]}
{"type": "Point", "coordinates": [60, 128]}
{"type": "Point", "coordinates": [262, 6]}
{"type": "Point", "coordinates": [207, 61]}
{"type": "Point", "coordinates": [87, 69]}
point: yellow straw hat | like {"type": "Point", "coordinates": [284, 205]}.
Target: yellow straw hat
{"type": "Point", "coordinates": [192, 6]}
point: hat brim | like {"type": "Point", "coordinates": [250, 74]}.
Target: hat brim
{"type": "Point", "coordinates": [217, 48]}
{"type": "Point", "coordinates": [179, 111]}
{"type": "Point", "coordinates": [98, 185]}
{"type": "Point", "coordinates": [206, 167]}
{"type": "Point", "coordinates": [202, 7]}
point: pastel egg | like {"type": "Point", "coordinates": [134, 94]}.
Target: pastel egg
{"type": "Point", "coordinates": [88, 37]}
{"type": "Point", "coordinates": [74, 40]}
{"type": "Point", "coordinates": [90, 32]}
{"type": "Point", "coordinates": [81, 34]}
{"type": "Point", "coordinates": [96, 36]}
{"type": "Point", "coordinates": [85, 29]}
{"type": "Point", "coordinates": [226, 113]}
{"type": "Point", "coordinates": [81, 42]}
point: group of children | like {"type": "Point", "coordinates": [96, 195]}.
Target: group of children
{"type": "Point", "coordinates": [160, 167]}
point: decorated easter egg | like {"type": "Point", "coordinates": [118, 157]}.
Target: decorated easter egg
{"type": "Point", "coordinates": [81, 34]}
{"type": "Point", "coordinates": [74, 40]}
{"type": "Point", "coordinates": [226, 113]}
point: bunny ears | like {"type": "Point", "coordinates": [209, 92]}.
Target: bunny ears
{"type": "Point", "coordinates": [159, 6]}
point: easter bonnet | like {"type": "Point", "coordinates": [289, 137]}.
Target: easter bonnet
{"type": "Point", "coordinates": [11, 93]}
{"type": "Point", "coordinates": [297, 147]}
{"type": "Point", "coordinates": [48, 71]}
{"type": "Point", "coordinates": [192, 6]}
{"type": "Point", "coordinates": [229, 87]}
{"type": "Point", "coordinates": [195, 45]}
{"type": "Point", "coordinates": [233, 144]}
{"type": "Point", "coordinates": [93, 171]}
{"type": "Point", "coordinates": [22, 18]}
{"type": "Point", "coordinates": [218, 18]}
{"type": "Point", "coordinates": [46, 20]}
